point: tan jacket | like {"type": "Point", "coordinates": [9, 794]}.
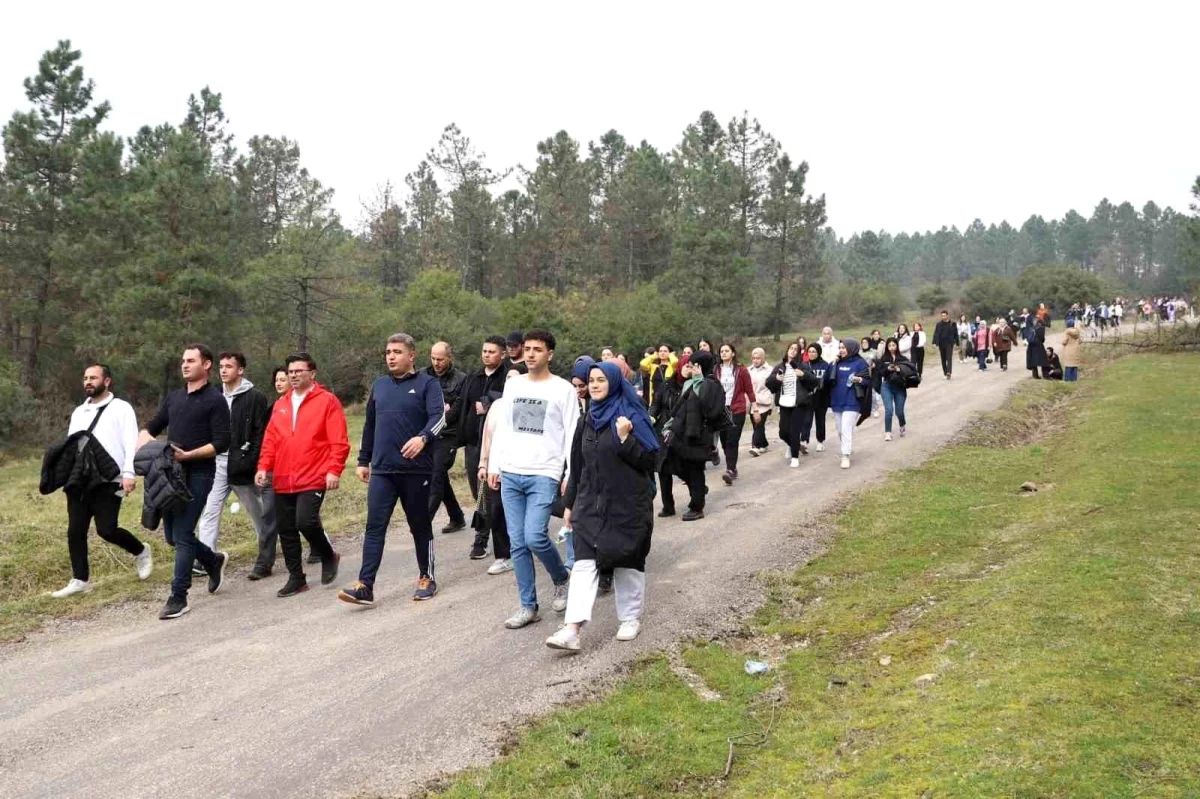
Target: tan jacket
{"type": "Point", "coordinates": [1070, 348]}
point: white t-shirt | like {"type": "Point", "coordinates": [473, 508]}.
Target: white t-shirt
{"type": "Point", "coordinates": [728, 378]}
{"type": "Point", "coordinates": [297, 398]}
{"type": "Point", "coordinates": [117, 429]}
{"type": "Point", "coordinates": [787, 391]}
{"type": "Point", "coordinates": [533, 435]}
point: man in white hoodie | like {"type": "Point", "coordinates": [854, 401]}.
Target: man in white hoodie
{"type": "Point", "coordinates": [249, 412]}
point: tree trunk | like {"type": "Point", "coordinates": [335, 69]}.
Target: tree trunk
{"type": "Point", "coordinates": [41, 300]}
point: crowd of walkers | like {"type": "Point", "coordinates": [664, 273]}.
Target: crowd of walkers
{"type": "Point", "coordinates": [595, 450]}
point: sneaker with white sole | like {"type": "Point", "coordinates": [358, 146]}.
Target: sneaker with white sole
{"type": "Point", "coordinates": [72, 588]}
{"type": "Point", "coordinates": [887, 436]}
{"type": "Point", "coordinates": [820, 447]}
{"type": "Point", "coordinates": [803, 448]}
{"type": "Point", "coordinates": [565, 639]}
{"type": "Point", "coordinates": [522, 618]}
{"type": "Point", "coordinates": [629, 630]}
{"type": "Point", "coordinates": [902, 432]}
{"type": "Point", "coordinates": [875, 414]}
{"type": "Point", "coordinates": [145, 563]}
{"type": "Point", "coordinates": [560, 597]}
{"type": "Point", "coordinates": [795, 463]}
{"type": "Point", "coordinates": [845, 461]}
{"type": "Point", "coordinates": [501, 566]}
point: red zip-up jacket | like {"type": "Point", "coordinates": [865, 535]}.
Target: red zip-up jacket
{"type": "Point", "coordinates": [743, 388]}
{"type": "Point", "coordinates": [299, 459]}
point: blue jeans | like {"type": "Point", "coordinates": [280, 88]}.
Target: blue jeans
{"type": "Point", "coordinates": [982, 356]}
{"type": "Point", "coordinates": [893, 402]}
{"type": "Point", "coordinates": [527, 501]}
{"type": "Point", "coordinates": [180, 532]}
{"type": "Point", "coordinates": [1070, 374]}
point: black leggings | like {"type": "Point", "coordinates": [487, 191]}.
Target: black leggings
{"type": "Point", "coordinates": [759, 438]}
{"type": "Point", "coordinates": [918, 354]}
{"type": "Point", "coordinates": [818, 414]}
{"type": "Point", "coordinates": [103, 505]}
{"type": "Point", "coordinates": [730, 439]}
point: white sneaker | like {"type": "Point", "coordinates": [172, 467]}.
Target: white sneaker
{"type": "Point", "coordinates": [521, 618]}
{"type": "Point", "coordinates": [560, 597]}
{"type": "Point", "coordinates": [629, 630]}
{"type": "Point", "coordinates": [845, 461]}
{"type": "Point", "coordinates": [820, 447]}
{"type": "Point", "coordinates": [501, 566]}
{"type": "Point", "coordinates": [887, 436]}
{"type": "Point", "coordinates": [794, 463]}
{"type": "Point", "coordinates": [565, 639]}
{"type": "Point", "coordinates": [875, 414]}
{"type": "Point", "coordinates": [72, 588]}
{"type": "Point", "coordinates": [145, 563]}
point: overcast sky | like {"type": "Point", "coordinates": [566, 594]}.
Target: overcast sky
{"type": "Point", "coordinates": [910, 115]}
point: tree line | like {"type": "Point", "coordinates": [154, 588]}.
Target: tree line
{"type": "Point", "coordinates": [126, 249]}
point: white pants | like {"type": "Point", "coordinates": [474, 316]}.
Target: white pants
{"type": "Point", "coordinates": [846, 422]}
{"type": "Point", "coordinates": [629, 586]}
{"type": "Point", "coordinates": [210, 519]}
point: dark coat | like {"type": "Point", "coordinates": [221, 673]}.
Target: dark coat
{"type": "Point", "coordinates": [1004, 340]}
{"type": "Point", "coordinates": [806, 384]}
{"type": "Point", "coordinates": [895, 379]}
{"type": "Point", "coordinates": [478, 387]}
{"type": "Point", "coordinates": [248, 417]}
{"type": "Point", "coordinates": [695, 419]}
{"type": "Point", "coordinates": [1035, 355]}
{"type": "Point", "coordinates": [452, 385]}
{"type": "Point", "coordinates": [165, 489]}
{"type": "Point", "coordinates": [666, 395]}
{"type": "Point", "coordinates": [613, 509]}
{"type": "Point", "coordinates": [77, 464]}
{"type": "Point", "coordinates": [945, 334]}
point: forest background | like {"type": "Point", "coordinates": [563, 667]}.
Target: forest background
{"type": "Point", "coordinates": [125, 250]}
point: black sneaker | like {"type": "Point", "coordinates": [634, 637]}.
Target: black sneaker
{"type": "Point", "coordinates": [174, 608]}
{"type": "Point", "coordinates": [727, 477]}
{"type": "Point", "coordinates": [715, 457]}
{"type": "Point", "coordinates": [692, 515]}
{"type": "Point", "coordinates": [313, 558]}
{"type": "Point", "coordinates": [295, 585]}
{"type": "Point", "coordinates": [665, 512]}
{"type": "Point", "coordinates": [478, 552]}
{"type": "Point", "coordinates": [359, 593]}
{"type": "Point", "coordinates": [258, 574]}
{"type": "Point", "coordinates": [329, 569]}
{"type": "Point", "coordinates": [217, 575]}
{"type": "Point", "coordinates": [455, 526]}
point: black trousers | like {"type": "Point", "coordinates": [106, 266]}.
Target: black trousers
{"type": "Point", "coordinates": [818, 415]}
{"type": "Point", "coordinates": [730, 439]}
{"type": "Point", "coordinates": [794, 426]}
{"type": "Point", "coordinates": [104, 506]}
{"type": "Point", "coordinates": [947, 353]}
{"type": "Point", "coordinates": [692, 473]}
{"type": "Point", "coordinates": [759, 438]}
{"type": "Point", "coordinates": [918, 354]}
{"type": "Point", "coordinates": [296, 515]}
{"type": "Point", "coordinates": [666, 476]}
{"type": "Point", "coordinates": [440, 489]}
{"type": "Point", "coordinates": [471, 457]}
{"type": "Point", "coordinates": [1002, 357]}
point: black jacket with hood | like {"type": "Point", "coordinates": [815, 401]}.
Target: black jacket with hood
{"type": "Point", "coordinates": [248, 417]}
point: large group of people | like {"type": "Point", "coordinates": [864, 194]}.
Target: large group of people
{"type": "Point", "coordinates": [595, 450]}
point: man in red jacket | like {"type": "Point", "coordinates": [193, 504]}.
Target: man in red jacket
{"type": "Point", "coordinates": [305, 447]}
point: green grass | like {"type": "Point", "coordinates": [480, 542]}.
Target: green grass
{"type": "Point", "coordinates": [33, 544]}
{"type": "Point", "coordinates": [1061, 629]}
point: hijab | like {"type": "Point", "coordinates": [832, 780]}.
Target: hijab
{"type": "Point", "coordinates": [704, 362]}
{"type": "Point", "coordinates": [852, 348]}
{"type": "Point", "coordinates": [583, 365]}
{"type": "Point", "coordinates": [621, 401]}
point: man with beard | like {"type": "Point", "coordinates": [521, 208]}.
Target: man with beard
{"type": "Point", "coordinates": [113, 424]}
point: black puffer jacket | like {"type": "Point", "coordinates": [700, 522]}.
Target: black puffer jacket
{"type": "Point", "coordinates": [613, 508]}
{"type": "Point", "coordinates": [78, 464]}
{"type": "Point", "coordinates": [165, 488]}
{"type": "Point", "coordinates": [694, 420]}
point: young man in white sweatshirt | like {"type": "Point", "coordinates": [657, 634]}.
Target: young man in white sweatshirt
{"type": "Point", "coordinates": [115, 429]}
{"type": "Point", "coordinates": [529, 460]}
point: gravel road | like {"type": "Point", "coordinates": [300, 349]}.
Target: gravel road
{"type": "Point", "coordinates": [253, 695]}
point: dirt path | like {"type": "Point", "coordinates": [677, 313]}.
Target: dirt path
{"type": "Point", "coordinates": [253, 695]}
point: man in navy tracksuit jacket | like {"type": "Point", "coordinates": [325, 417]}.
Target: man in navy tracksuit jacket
{"type": "Point", "coordinates": [405, 413]}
